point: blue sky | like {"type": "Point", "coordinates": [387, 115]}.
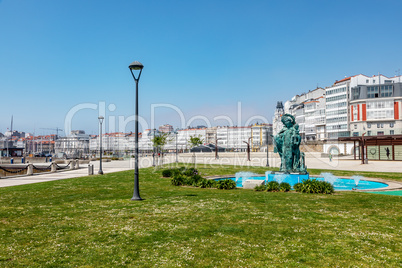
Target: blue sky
{"type": "Point", "coordinates": [202, 57]}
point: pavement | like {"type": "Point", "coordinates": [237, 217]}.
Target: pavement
{"type": "Point", "coordinates": [313, 160]}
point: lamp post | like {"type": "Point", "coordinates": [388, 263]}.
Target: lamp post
{"type": "Point", "coordinates": [137, 67]}
{"type": "Point", "coordinates": [248, 148]}
{"type": "Point", "coordinates": [216, 148]}
{"type": "Point", "coordinates": [101, 118]}
{"type": "Point", "coordinates": [176, 133]}
{"type": "Point", "coordinates": [153, 149]}
{"type": "Point", "coordinates": [267, 138]}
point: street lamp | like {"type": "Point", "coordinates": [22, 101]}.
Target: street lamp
{"type": "Point", "coordinates": [176, 133]}
{"type": "Point", "coordinates": [101, 118]}
{"type": "Point", "coordinates": [267, 139]}
{"type": "Point", "coordinates": [248, 149]}
{"type": "Point", "coordinates": [153, 149]}
{"type": "Point", "coordinates": [216, 148]}
{"type": "Point", "coordinates": [137, 67]}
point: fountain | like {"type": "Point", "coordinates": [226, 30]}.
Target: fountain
{"type": "Point", "coordinates": [244, 175]}
{"type": "Point", "coordinates": [286, 144]}
{"type": "Point", "coordinates": [328, 177]}
{"type": "Point", "coordinates": [267, 175]}
{"type": "Point", "coordinates": [357, 179]}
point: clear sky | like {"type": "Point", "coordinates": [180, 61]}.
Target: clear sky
{"type": "Point", "coordinates": [202, 57]}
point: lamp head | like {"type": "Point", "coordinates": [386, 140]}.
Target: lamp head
{"type": "Point", "coordinates": [136, 65]}
{"type": "Point", "coordinates": [101, 119]}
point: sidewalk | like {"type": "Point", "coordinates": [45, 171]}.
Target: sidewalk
{"type": "Point", "coordinates": [313, 161]}
{"type": "Point", "coordinates": [107, 167]}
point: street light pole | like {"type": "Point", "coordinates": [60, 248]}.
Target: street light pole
{"type": "Point", "coordinates": [177, 160]}
{"type": "Point", "coordinates": [216, 149]}
{"type": "Point", "coordinates": [248, 148]}
{"type": "Point", "coordinates": [136, 66]}
{"type": "Point", "coordinates": [100, 145]}
{"type": "Point", "coordinates": [267, 138]}
{"type": "Point", "coordinates": [153, 150]}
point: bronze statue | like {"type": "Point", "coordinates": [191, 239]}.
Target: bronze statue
{"type": "Point", "coordinates": [287, 144]}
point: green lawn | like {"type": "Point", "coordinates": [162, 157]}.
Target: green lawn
{"type": "Point", "coordinates": [91, 222]}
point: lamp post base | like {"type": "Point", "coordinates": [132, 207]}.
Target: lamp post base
{"type": "Point", "coordinates": [100, 172]}
{"type": "Point", "coordinates": [136, 198]}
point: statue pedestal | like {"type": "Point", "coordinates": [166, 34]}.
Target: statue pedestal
{"type": "Point", "coordinates": [291, 178]}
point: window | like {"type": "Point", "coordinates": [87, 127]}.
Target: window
{"type": "Point", "coordinates": [372, 92]}
{"type": "Point", "coordinates": [355, 92]}
{"type": "Point", "coordinates": [386, 91]}
{"type": "Point", "coordinates": [391, 132]}
{"type": "Point", "coordinates": [373, 81]}
{"type": "Point", "coordinates": [355, 134]}
{"type": "Point", "coordinates": [369, 133]}
{"type": "Point", "coordinates": [367, 81]}
{"type": "Point", "coordinates": [380, 109]}
{"type": "Point", "coordinates": [378, 125]}
{"type": "Point", "coordinates": [380, 133]}
{"type": "Point", "coordinates": [368, 125]}
{"type": "Point", "coordinates": [355, 126]}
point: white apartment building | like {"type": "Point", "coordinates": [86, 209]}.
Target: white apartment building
{"type": "Point", "coordinates": [309, 112]}
{"type": "Point", "coordinates": [336, 99]}
{"type": "Point", "coordinates": [375, 105]}
{"type": "Point", "coordinates": [352, 107]}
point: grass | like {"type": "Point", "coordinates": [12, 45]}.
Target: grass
{"type": "Point", "coordinates": [91, 222]}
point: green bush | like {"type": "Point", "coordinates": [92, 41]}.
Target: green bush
{"type": "Point", "coordinates": [178, 180]}
{"type": "Point", "coordinates": [273, 186]}
{"type": "Point", "coordinates": [284, 187]}
{"type": "Point", "coordinates": [259, 188]}
{"type": "Point", "coordinates": [327, 188]}
{"type": "Point", "coordinates": [298, 186]}
{"type": "Point", "coordinates": [226, 184]}
{"type": "Point", "coordinates": [167, 173]}
{"type": "Point", "coordinates": [204, 183]}
{"type": "Point", "coordinates": [313, 186]}
{"type": "Point", "coordinates": [190, 172]}
{"type": "Point", "coordinates": [193, 180]}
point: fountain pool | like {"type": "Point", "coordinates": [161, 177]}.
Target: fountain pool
{"type": "Point", "coordinates": [340, 184]}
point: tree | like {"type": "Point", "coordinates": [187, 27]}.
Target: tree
{"type": "Point", "coordinates": [160, 141]}
{"type": "Point", "coordinates": [195, 141]}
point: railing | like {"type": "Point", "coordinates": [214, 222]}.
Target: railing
{"type": "Point", "coordinates": [29, 169]}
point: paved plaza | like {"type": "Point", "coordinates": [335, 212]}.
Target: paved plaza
{"type": "Point", "coordinates": [313, 161]}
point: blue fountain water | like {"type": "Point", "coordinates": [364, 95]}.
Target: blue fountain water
{"type": "Point", "coordinates": [356, 182]}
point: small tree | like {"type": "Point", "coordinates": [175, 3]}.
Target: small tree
{"type": "Point", "coordinates": [195, 141]}
{"type": "Point", "coordinates": [160, 141]}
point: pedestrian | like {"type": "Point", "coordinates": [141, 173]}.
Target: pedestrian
{"type": "Point", "coordinates": [330, 157]}
{"type": "Point", "coordinates": [387, 152]}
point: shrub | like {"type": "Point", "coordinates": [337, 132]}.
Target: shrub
{"type": "Point", "coordinates": [314, 186]}
{"type": "Point", "coordinates": [190, 172]}
{"type": "Point", "coordinates": [273, 186]}
{"type": "Point", "coordinates": [284, 187]}
{"type": "Point", "coordinates": [327, 188]}
{"type": "Point", "coordinates": [167, 173]}
{"type": "Point", "coordinates": [226, 184]}
{"type": "Point", "coordinates": [204, 183]}
{"type": "Point", "coordinates": [178, 180]}
{"type": "Point", "coordinates": [259, 188]}
{"type": "Point", "coordinates": [298, 186]}
{"type": "Point", "coordinates": [193, 180]}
